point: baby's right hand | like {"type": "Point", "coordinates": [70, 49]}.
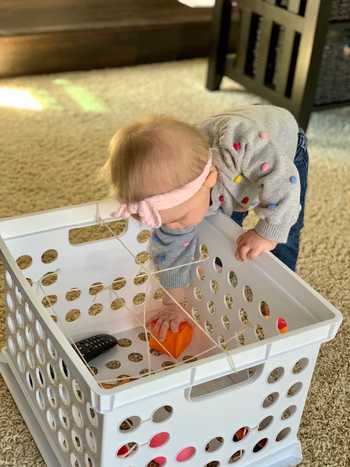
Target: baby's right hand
{"type": "Point", "coordinates": [168, 317]}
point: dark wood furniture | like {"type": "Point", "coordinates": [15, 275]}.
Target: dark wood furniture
{"type": "Point", "coordinates": [296, 32]}
{"type": "Point", "coordinates": [40, 36]}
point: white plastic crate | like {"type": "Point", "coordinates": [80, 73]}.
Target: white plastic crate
{"type": "Point", "coordinates": [240, 402]}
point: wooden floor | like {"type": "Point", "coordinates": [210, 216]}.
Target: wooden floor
{"type": "Point", "coordinates": [39, 36]}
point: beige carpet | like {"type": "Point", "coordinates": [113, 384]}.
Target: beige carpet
{"type": "Point", "coordinates": [49, 158]}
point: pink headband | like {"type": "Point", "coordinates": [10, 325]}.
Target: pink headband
{"type": "Point", "coordinates": [148, 209]}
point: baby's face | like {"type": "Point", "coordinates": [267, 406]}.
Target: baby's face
{"type": "Point", "coordinates": [192, 211]}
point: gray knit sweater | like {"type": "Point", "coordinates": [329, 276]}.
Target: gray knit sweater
{"type": "Point", "coordinates": [253, 149]}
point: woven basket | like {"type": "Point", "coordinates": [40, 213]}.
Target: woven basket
{"type": "Point", "coordinates": [340, 10]}
{"type": "Point", "coordinates": [334, 76]}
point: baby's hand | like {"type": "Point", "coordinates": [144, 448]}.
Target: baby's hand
{"type": "Point", "coordinates": [168, 317]}
{"type": "Point", "coordinates": [250, 245]}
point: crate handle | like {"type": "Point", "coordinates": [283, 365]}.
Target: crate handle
{"type": "Point", "coordinates": [232, 381]}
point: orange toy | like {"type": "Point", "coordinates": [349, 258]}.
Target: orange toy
{"type": "Point", "coordinates": [175, 342]}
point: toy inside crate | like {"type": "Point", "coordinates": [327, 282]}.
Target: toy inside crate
{"type": "Point", "coordinates": [100, 278]}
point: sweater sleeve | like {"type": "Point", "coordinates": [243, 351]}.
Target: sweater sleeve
{"type": "Point", "coordinates": [277, 181]}
{"type": "Point", "coordinates": [172, 248]}
{"type": "Point", "coordinates": [266, 160]}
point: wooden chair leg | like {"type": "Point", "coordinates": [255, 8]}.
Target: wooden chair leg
{"type": "Point", "coordinates": [220, 36]}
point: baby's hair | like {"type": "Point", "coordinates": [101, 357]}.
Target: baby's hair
{"type": "Point", "coordinates": [152, 156]}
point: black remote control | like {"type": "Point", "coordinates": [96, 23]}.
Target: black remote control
{"type": "Point", "coordinates": [93, 346]}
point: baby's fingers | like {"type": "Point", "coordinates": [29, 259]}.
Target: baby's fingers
{"type": "Point", "coordinates": [157, 326]}
{"type": "Point", "coordinates": [239, 245]}
{"type": "Point", "coordinates": [254, 253]}
{"type": "Point", "coordinates": [174, 324]}
{"type": "Point", "coordinates": [163, 330]}
{"type": "Point", "coordinates": [242, 252]}
{"type": "Point", "coordinates": [240, 238]}
{"type": "Point", "coordinates": [153, 318]}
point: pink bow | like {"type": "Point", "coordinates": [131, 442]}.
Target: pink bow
{"type": "Point", "coordinates": [144, 210]}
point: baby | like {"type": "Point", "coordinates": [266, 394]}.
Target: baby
{"type": "Point", "coordinates": [170, 175]}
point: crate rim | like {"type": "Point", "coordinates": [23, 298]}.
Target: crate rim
{"type": "Point", "coordinates": [87, 217]}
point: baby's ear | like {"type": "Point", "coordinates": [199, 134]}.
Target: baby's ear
{"type": "Point", "coordinates": [211, 178]}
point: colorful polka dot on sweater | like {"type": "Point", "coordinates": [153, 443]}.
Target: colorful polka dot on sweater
{"type": "Point", "coordinates": [245, 200]}
{"type": "Point", "coordinates": [263, 135]}
{"type": "Point", "coordinates": [236, 146]}
{"type": "Point", "coordinates": [185, 243]}
{"type": "Point", "coordinates": [221, 199]}
{"type": "Point", "coordinates": [265, 167]}
{"type": "Point", "coordinates": [238, 179]}
{"type": "Point", "coordinates": [293, 179]}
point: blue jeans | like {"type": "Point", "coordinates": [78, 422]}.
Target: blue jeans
{"type": "Point", "coordinates": [288, 252]}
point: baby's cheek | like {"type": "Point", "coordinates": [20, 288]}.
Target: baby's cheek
{"type": "Point", "coordinates": [198, 219]}
{"type": "Point", "coordinates": [203, 214]}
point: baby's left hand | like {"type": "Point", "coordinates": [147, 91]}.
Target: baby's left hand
{"type": "Point", "coordinates": [250, 245]}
